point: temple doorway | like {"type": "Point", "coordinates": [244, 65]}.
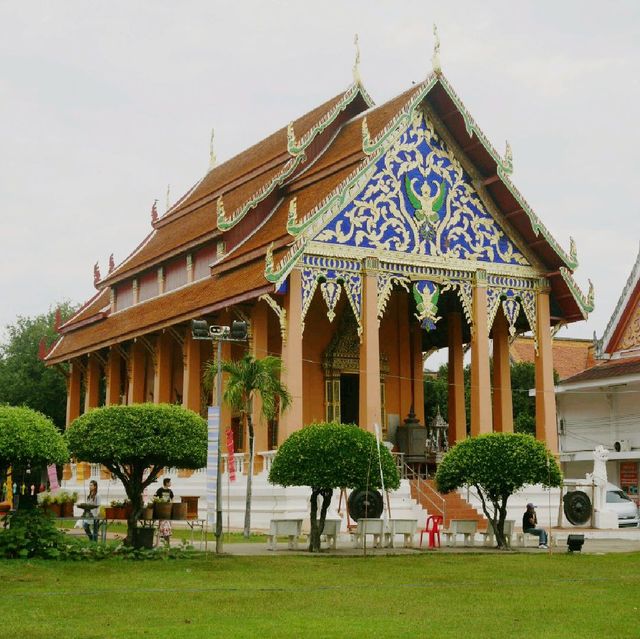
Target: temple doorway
{"type": "Point", "coordinates": [349, 398]}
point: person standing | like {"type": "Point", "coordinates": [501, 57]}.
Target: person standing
{"type": "Point", "coordinates": [90, 521]}
{"type": "Point", "coordinates": [530, 526]}
{"type": "Point", "coordinates": [166, 494]}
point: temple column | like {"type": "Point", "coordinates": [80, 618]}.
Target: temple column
{"type": "Point", "coordinates": [481, 421]}
{"type": "Point", "coordinates": [502, 397]}
{"type": "Point", "coordinates": [191, 374]}
{"type": "Point", "coordinates": [457, 416]}
{"type": "Point", "coordinates": [292, 419]}
{"type": "Point", "coordinates": [162, 376]}
{"type": "Point", "coordinates": [546, 428]}
{"type": "Point", "coordinates": [259, 350]}
{"type": "Point", "coordinates": [404, 354]}
{"type": "Point", "coordinates": [74, 383]}
{"type": "Point", "coordinates": [113, 377]}
{"type": "Point", "coordinates": [92, 388]}
{"type": "Point", "coordinates": [370, 409]}
{"type": "Point", "coordinates": [137, 365]}
{"type": "Point", "coordinates": [417, 372]}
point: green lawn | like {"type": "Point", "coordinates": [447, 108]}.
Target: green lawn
{"type": "Point", "coordinates": [428, 595]}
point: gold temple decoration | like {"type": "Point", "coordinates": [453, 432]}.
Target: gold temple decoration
{"type": "Point", "coordinates": [168, 196]}
{"type": "Point", "coordinates": [357, 79]}
{"type": "Point", "coordinates": [435, 59]}
{"type": "Point", "coordinates": [212, 153]}
{"type": "Point", "coordinates": [507, 165]}
{"type": "Point", "coordinates": [280, 312]}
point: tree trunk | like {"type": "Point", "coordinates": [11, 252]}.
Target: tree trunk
{"type": "Point", "coordinates": [317, 526]}
{"type": "Point", "coordinates": [247, 508]}
{"type": "Point", "coordinates": [496, 518]}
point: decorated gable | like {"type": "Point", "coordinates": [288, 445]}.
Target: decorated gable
{"type": "Point", "coordinates": [419, 200]}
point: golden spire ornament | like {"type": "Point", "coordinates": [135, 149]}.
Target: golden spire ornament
{"type": "Point", "coordinates": [212, 154]}
{"type": "Point", "coordinates": [435, 59]}
{"type": "Point", "coordinates": [356, 65]}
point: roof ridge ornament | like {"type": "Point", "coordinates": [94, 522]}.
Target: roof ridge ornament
{"type": "Point", "coordinates": [573, 251]}
{"type": "Point", "coordinates": [367, 147]}
{"type": "Point", "coordinates": [357, 78]}
{"type": "Point", "coordinates": [154, 212]}
{"type": "Point", "coordinates": [112, 263]}
{"type": "Point", "coordinates": [96, 274]}
{"type": "Point", "coordinates": [435, 59]}
{"type": "Point", "coordinates": [292, 217]}
{"type": "Point", "coordinates": [168, 196]}
{"type": "Point", "coordinates": [213, 160]}
{"type": "Point", "coordinates": [507, 162]}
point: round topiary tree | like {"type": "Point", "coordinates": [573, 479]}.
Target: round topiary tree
{"type": "Point", "coordinates": [136, 442]}
{"type": "Point", "coordinates": [497, 465]}
{"type": "Point", "coordinates": [29, 441]}
{"type": "Point", "coordinates": [326, 456]}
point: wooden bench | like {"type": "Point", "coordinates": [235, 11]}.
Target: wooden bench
{"type": "Point", "coordinates": [366, 527]}
{"type": "Point", "coordinates": [290, 528]}
{"type": "Point", "coordinates": [489, 536]}
{"type": "Point", "coordinates": [465, 527]}
{"type": "Point", "coordinates": [405, 527]}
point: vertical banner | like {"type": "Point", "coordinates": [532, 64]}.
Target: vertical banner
{"type": "Point", "coordinates": [213, 433]}
{"type": "Point", "coordinates": [231, 460]}
{"type": "Point", "coordinates": [53, 477]}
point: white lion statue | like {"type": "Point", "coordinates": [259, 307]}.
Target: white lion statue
{"type": "Point", "coordinates": [599, 477]}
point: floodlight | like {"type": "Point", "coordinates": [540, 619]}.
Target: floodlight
{"type": "Point", "coordinates": [200, 329]}
{"type": "Point", "coordinates": [238, 330]}
{"type": "Point", "coordinates": [574, 542]}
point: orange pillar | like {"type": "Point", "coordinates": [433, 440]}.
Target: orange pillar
{"type": "Point", "coordinates": [370, 409]}
{"type": "Point", "coordinates": [137, 365]}
{"type": "Point", "coordinates": [481, 421]}
{"type": "Point", "coordinates": [191, 374]}
{"type": "Point", "coordinates": [546, 429]}
{"type": "Point", "coordinates": [292, 419]}
{"type": "Point", "coordinates": [113, 377]}
{"type": "Point", "coordinates": [502, 397]}
{"type": "Point", "coordinates": [259, 350]}
{"type": "Point", "coordinates": [73, 392]}
{"type": "Point", "coordinates": [404, 354]}
{"type": "Point", "coordinates": [162, 376]}
{"type": "Point", "coordinates": [417, 372]}
{"type": "Point", "coordinates": [92, 389]}
{"type": "Point", "coordinates": [457, 416]}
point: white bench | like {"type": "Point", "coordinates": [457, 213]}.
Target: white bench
{"type": "Point", "coordinates": [526, 540]}
{"type": "Point", "coordinates": [489, 536]}
{"type": "Point", "coordinates": [331, 531]}
{"type": "Point", "coordinates": [465, 527]}
{"type": "Point", "coordinates": [290, 528]}
{"type": "Point", "coordinates": [368, 526]}
{"type": "Point", "coordinates": [404, 527]}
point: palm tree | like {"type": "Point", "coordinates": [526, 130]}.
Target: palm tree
{"type": "Point", "coordinates": [247, 377]}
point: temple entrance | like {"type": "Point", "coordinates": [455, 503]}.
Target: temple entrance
{"type": "Point", "coordinates": [349, 398]}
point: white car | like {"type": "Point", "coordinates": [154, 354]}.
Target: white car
{"type": "Point", "coordinates": [624, 507]}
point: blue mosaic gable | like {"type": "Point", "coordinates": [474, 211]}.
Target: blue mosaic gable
{"type": "Point", "coordinates": [421, 201]}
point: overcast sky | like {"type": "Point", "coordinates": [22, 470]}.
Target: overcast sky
{"type": "Point", "coordinates": [104, 104]}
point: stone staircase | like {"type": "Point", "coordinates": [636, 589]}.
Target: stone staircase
{"type": "Point", "coordinates": [453, 504]}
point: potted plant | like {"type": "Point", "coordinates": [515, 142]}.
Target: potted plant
{"type": "Point", "coordinates": [118, 506]}
{"type": "Point", "coordinates": [147, 512]}
{"type": "Point", "coordinates": [67, 500]}
{"type": "Point", "coordinates": [145, 535]}
{"type": "Point", "coordinates": [179, 510]}
{"type": "Point", "coordinates": [161, 508]}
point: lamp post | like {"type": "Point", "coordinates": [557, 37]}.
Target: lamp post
{"type": "Point", "coordinates": [237, 332]}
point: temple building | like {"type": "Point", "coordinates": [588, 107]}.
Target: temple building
{"type": "Point", "coordinates": [352, 241]}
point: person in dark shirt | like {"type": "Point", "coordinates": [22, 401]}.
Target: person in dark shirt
{"type": "Point", "coordinates": [530, 526]}
{"type": "Point", "coordinates": [165, 493]}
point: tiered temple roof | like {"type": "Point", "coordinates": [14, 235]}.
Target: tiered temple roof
{"type": "Point", "coordinates": [250, 203]}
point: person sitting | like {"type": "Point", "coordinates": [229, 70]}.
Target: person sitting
{"type": "Point", "coordinates": [530, 526]}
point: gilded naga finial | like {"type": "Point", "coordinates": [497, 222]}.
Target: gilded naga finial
{"type": "Point", "coordinates": [168, 196]}
{"type": "Point", "coordinates": [212, 154]}
{"type": "Point", "coordinates": [356, 65]}
{"type": "Point", "coordinates": [112, 263]}
{"type": "Point", "coordinates": [96, 274]}
{"type": "Point", "coordinates": [154, 212]}
{"type": "Point", "coordinates": [590, 295]}
{"type": "Point", "coordinates": [573, 251]}
{"type": "Point", "coordinates": [435, 59]}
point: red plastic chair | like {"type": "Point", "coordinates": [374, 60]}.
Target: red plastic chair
{"type": "Point", "coordinates": [433, 529]}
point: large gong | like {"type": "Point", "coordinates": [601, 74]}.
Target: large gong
{"type": "Point", "coordinates": [577, 507]}
{"type": "Point", "coordinates": [365, 504]}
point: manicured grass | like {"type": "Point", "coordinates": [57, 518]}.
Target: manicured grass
{"type": "Point", "coordinates": [427, 595]}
